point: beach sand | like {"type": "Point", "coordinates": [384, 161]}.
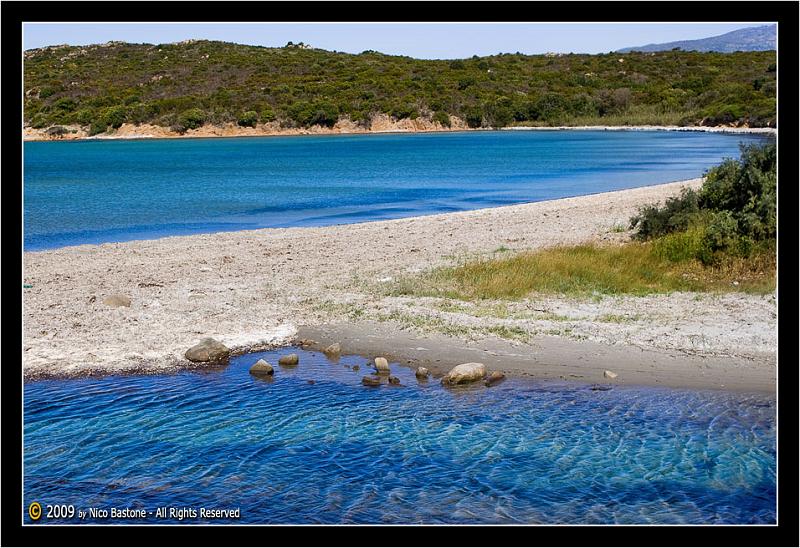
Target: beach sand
{"type": "Point", "coordinates": [256, 289]}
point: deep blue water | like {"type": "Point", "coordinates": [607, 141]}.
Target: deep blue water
{"type": "Point", "coordinates": [286, 451]}
{"type": "Point", "coordinates": [105, 191]}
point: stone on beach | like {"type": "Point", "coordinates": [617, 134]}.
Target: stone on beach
{"type": "Point", "coordinates": [371, 380]}
{"type": "Point", "coordinates": [289, 359]}
{"type": "Point", "coordinates": [465, 373]}
{"type": "Point", "coordinates": [494, 378]}
{"type": "Point", "coordinates": [422, 373]}
{"type": "Point", "coordinates": [609, 374]}
{"type": "Point", "coordinates": [117, 300]}
{"type": "Point", "coordinates": [333, 350]}
{"type": "Point", "coordinates": [208, 350]}
{"type": "Point", "coordinates": [382, 365]}
{"type": "Point", "coordinates": [261, 368]}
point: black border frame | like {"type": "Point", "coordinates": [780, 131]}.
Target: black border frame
{"type": "Point", "coordinates": [786, 13]}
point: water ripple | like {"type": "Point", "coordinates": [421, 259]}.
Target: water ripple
{"type": "Point", "coordinates": [339, 452]}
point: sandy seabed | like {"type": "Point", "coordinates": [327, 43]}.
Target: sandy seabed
{"type": "Point", "coordinates": [263, 288]}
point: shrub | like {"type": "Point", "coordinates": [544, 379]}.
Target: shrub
{"type": "Point", "coordinates": [191, 119]}
{"type": "Point", "coordinates": [267, 115]}
{"type": "Point", "coordinates": [442, 117]}
{"type": "Point", "coordinates": [96, 128]}
{"type": "Point", "coordinates": [57, 131]}
{"type": "Point", "coordinates": [677, 213]}
{"type": "Point", "coordinates": [248, 119]}
{"type": "Point", "coordinates": [747, 189]}
{"type": "Point", "coordinates": [114, 116]}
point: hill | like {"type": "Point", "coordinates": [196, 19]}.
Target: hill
{"type": "Point", "coordinates": [188, 84]}
{"type": "Point", "coordinates": [749, 39]}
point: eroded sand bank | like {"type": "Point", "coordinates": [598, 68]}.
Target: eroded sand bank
{"type": "Point", "coordinates": [253, 289]}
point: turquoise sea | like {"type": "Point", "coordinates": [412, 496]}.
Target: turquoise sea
{"type": "Point", "coordinates": [287, 451]}
{"type": "Point", "coordinates": [333, 451]}
{"type": "Point", "coordinates": [107, 191]}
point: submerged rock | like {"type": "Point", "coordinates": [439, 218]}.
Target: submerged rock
{"type": "Point", "coordinates": [393, 380]}
{"type": "Point", "coordinates": [289, 359]}
{"type": "Point", "coordinates": [609, 374]}
{"type": "Point", "coordinates": [208, 350]}
{"type": "Point", "coordinates": [333, 350]}
{"type": "Point", "coordinates": [422, 373]}
{"type": "Point", "coordinates": [371, 380]}
{"type": "Point", "coordinates": [356, 367]}
{"type": "Point", "coordinates": [382, 366]}
{"type": "Point", "coordinates": [465, 373]}
{"type": "Point", "coordinates": [117, 300]}
{"type": "Point", "coordinates": [494, 378]}
{"type": "Point", "coordinates": [261, 369]}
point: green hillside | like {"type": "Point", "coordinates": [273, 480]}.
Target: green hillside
{"type": "Point", "coordinates": [188, 84]}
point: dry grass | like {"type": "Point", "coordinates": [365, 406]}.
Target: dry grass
{"type": "Point", "coordinates": [633, 268]}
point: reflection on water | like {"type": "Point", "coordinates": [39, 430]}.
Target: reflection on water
{"type": "Point", "coordinates": [288, 451]}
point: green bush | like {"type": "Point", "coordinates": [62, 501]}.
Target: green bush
{"type": "Point", "coordinates": [676, 214]}
{"type": "Point", "coordinates": [248, 119]}
{"type": "Point", "coordinates": [267, 115]}
{"type": "Point", "coordinates": [114, 116]}
{"type": "Point", "coordinates": [733, 214]}
{"type": "Point", "coordinates": [442, 117]}
{"type": "Point", "coordinates": [191, 119]}
{"type": "Point", "coordinates": [747, 189]}
{"type": "Point", "coordinates": [97, 128]}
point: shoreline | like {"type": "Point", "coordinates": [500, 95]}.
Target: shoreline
{"type": "Point", "coordinates": [147, 131]}
{"type": "Point", "coordinates": [251, 289]}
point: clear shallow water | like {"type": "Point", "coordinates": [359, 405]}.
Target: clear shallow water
{"type": "Point", "coordinates": [105, 191]}
{"type": "Point", "coordinates": [286, 451]}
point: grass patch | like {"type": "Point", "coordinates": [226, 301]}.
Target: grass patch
{"type": "Point", "coordinates": [637, 268]}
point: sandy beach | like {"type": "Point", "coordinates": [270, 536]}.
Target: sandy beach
{"type": "Point", "coordinates": [262, 288]}
{"type": "Point", "coordinates": [380, 124]}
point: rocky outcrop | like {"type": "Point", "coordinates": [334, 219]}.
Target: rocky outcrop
{"type": "Point", "coordinates": [261, 369]}
{"type": "Point", "coordinates": [208, 350]}
{"type": "Point", "coordinates": [465, 373]}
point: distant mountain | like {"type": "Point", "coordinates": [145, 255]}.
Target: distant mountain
{"type": "Point", "coordinates": [749, 39]}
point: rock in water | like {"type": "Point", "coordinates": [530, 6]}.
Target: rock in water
{"type": "Point", "coordinates": [290, 359]}
{"type": "Point", "coordinates": [333, 350]}
{"type": "Point", "coordinates": [371, 380]}
{"type": "Point", "coordinates": [422, 373]}
{"type": "Point", "coordinates": [382, 366]}
{"type": "Point", "coordinates": [494, 378]}
{"type": "Point", "coordinates": [208, 350]}
{"type": "Point", "coordinates": [261, 369]}
{"type": "Point", "coordinates": [465, 373]}
{"type": "Point", "coordinates": [117, 300]}
{"type": "Point", "coordinates": [609, 374]}
{"type": "Point", "coordinates": [356, 367]}
{"type": "Point", "coordinates": [393, 380]}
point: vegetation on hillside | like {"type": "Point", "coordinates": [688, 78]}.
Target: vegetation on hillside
{"type": "Point", "coordinates": [187, 84]}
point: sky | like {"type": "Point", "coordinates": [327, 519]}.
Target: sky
{"type": "Point", "coordinates": [419, 40]}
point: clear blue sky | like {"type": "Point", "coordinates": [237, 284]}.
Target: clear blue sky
{"type": "Point", "coordinates": [420, 40]}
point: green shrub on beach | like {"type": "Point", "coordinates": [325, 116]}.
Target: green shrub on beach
{"type": "Point", "coordinates": [733, 213]}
